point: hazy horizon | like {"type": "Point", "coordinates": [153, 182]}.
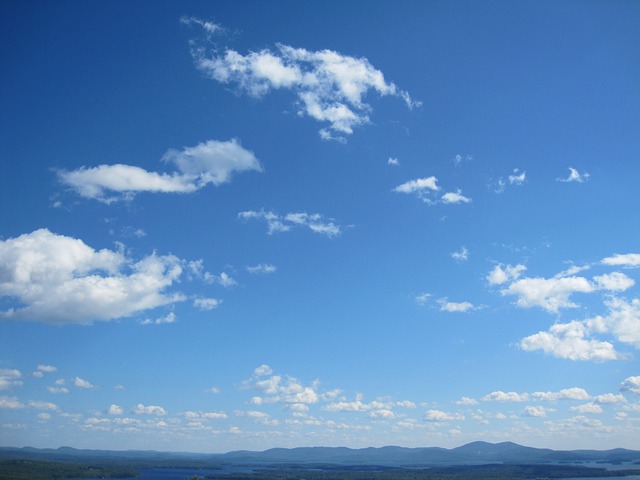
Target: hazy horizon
{"type": "Point", "coordinates": [240, 225]}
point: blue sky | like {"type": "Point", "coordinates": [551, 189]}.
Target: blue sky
{"type": "Point", "coordinates": [240, 225]}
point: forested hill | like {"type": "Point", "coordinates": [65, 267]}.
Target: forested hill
{"type": "Point", "coordinates": [472, 453]}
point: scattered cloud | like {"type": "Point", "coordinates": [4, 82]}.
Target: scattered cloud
{"type": "Point", "coordinates": [535, 411]}
{"type": "Point", "coordinates": [418, 186]}
{"type": "Point", "coordinates": [206, 303]}
{"type": "Point", "coordinates": [329, 87]}
{"type": "Point", "coordinates": [626, 260]}
{"type": "Point", "coordinates": [575, 176]}
{"type": "Point", "coordinates": [168, 318]}
{"type": "Point", "coordinates": [82, 383]}
{"type": "Point", "coordinates": [631, 385]}
{"type": "Point", "coordinates": [500, 396]}
{"type": "Point", "coordinates": [467, 401]}
{"type": "Point", "coordinates": [446, 306]}
{"type": "Point", "coordinates": [500, 275]}
{"type": "Point", "coordinates": [462, 255]}
{"type": "Point", "coordinates": [262, 268]}
{"type": "Point", "coordinates": [315, 222]}
{"type": "Point", "coordinates": [455, 197]}
{"type": "Point", "coordinates": [587, 408]}
{"type": "Point", "coordinates": [423, 298]}
{"type": "Point", "coordinates": [58, 279]}
{"type": "Point", "coordinates": [574, 393]}
{"type": "Point", "coordinates": [459, 159]}
{"type": "Point", "coordinates": [9, 379]}
{"type": "Point", "coordinates": [42, 369]}
{"type": "Point", "coordinates": [212, 162]}
{"type": "Point", "coordinates": [622, 320]}
{"type": "Point", "coordinates": [393, 161]}
{"type": "Point", "coordinates": [517, 178]}
{"type": "Point", "coordinates": [440, 416]}
{"type": "Point", "coordinates": [115, 410]}
{"type": "Point", "coordinates": [141, 409]}
{"type": "Point", "coordinates": [550, 294]}
{"type": "Point", "coordinates": [570, 341]}
{"type": "Point", "coordinates": [10, 403]}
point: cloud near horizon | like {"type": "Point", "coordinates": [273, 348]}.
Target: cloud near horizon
{"type": "Point", "coordinates": [211, 162]}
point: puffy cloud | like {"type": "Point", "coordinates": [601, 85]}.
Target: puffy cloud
{"type": "Point", "coordinates": [609, 398]}
{"type": "Point", "coordinates": [455, 307]}
{"type": "Point", "coordinates": [551, 294]}
{"type": "Point", "coordinates": [615, 282]}
{"type": "Point", "coordinates": [141, 409]}
{"type": "Point", "coordinates": [82, 383]}
{"type": "Point", "coordinates": [58, 390]}
{"type": "Point", "coordinates": [168, 318]}
{"type": "Point", "coordinates": [9, 378]}
{"type": "Point", "coordinates": [455, 197]}
{"type": "Point", "coordinates": [59, 279]}
{"type": "Point", "coordinates": [203, 416]}
{"type": "Point", "coordinates": [567, 340]}
{"type": "Point", "coordinates": [277, 223]}
{"type": "Point", "coordinates": [329, 87]}
{"type": "Point", "coordinates": [575, 176]}
{"type": "Point", "coordinates": [500, 274]}
{"type": "Point", "coordinates": [462, 255]}
{"type": "Point", "coordinates": [500, 396]}
{"type": "Point", "coordinates": [626, 260]}
{"type": "Point", "coordinates": [115, 410]}
{"type": "Point", "coordinates": [531, 411]}
{"type": "Point", "coordinates": [262, 268]}
{"type": "Point", "coordinates": [211, 162]}
{"type": "Point", "coordinates": [467, 401]}
{"type": "Point", "coordinates": [623, 321]}
{"type": "Point", "coordinates": [631, 385]}
{"type": "Point", "coordinates": [440, 416]}
{"type": "Point", "coordinates": [40, 405]}
{"type": "Point", "coordinates": [279, 389]}
{"type": "Point", "coordinates": [356, 405]}
{"type": "Point", "coordinates": [574, 393]}
{"type": "Point", "coordinates": [418, 185]}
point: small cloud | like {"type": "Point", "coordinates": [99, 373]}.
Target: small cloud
{"type": "Point", "coordinates": [423, 298]}
{"type": "Point", "coordinates": [462, 255]}
{"type": "Point", "coordinates": [531, 411]}
{"type": "Point", "coordinates": [455, 197]}
{"type": "Point", "coordinates": [461, 307]}
{"type": "Point", "coordinates": [517, 178]}
{"type": "Point", "coordinates": [393, 161]}
{"type": "Point", "coordinates": [206, 303]}
{"type": "Point", "coordinates": [575, 176]}
{"type": "Point", "coordinates": [262, 268]}
{"type": "Point", "coordinates": [315, 222]}
{"type": "Point", "coordinates": [141, 409]}
{"type": "Point", "coordinates": [467, 401]}
{"type": "Point", "coordinates": [115, 410]}
{"type": "Point", "coordinates": [500, 396]}
{"type": "Point", "coordinates": [169, 318]}
{"type": "Point", "coordinates": [9, 378]}
{"type": "Point", "coordinates": [418, 185]}
{"type": "Point", "coordinates": [631, 385]}
{"type": "Point", "coordinates": [626, 260]}
{"type": "Point", "coordinates": [440, 416]}
{"type": "Point", "coordinates": [82, 383]}
{"type": "Point", "coordinates": [459, 159]}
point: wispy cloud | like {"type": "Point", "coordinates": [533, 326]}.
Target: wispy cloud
{"type": "Point", "coordinates": [315, 222]}
{"type": "Point", "coordinates": [329, 87]}
{"type": "Point", "coordinates": [212, 162]}
{"type": "Point", "coordinates": [575, 176]}
{"type": "Point", "coordinates": [461, 255]}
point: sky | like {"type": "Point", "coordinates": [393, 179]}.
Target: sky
{"type": "Point", "coordinates": [242, 225]}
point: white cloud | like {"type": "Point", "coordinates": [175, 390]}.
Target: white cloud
{"type": "Point", "coordinates": [58, 390]}
{"type": "Point", "coordinates": [115, 410]}
{"type": "Point", "coordinates": [551, 294]}
{"type": "Point", "coordinates": [462, 255]}
{"type": "Point", "coordinates": [500, 275]}
{"type": "Point", "coordinates": [440, 416]}
{"type": "Point", "coordinates": [455, 197]}
{"type": "Point", "coordinates": [517, 178]}
{"type": "Point", "coordinates": [206, 303]}
{"type": "Point", "coordinates": [393, 161]}
{"type": "Point", "coordinates": [168, 318]}
{"type": "Point", "coordinates": [453, 307]}
{"type": "Point", "coordinates": [419, 185]}
{"type": "Point", "coordinates": [626, 260]}
{"type": "Point", "coordinates": [59, 279]}
{"type": "Point", "coordinates": [631, 385]}
{"type": "Point", "coordinates": [277, 223]}
{"type": "Point", "coordinates": [423, 298]}
{"type": "Point", "coordinates": [535, 411]}
{"type": "Point", "coordinates": [616, 281]}
{"type": "Point", "coordinates": [40, 405]}
{"type": "Point", "coordinates": [467, 401]}
{"type": "Point", "coordinates": [574, 393]}
{"type": "Point", "coordinates": [329, 87]}
{"type": "Point", "coordinates": [9, 378]}
{"type": "Point", "coordinates": [623, 321]}
{"type": "Point", "coordinates": [211, 162]}
{"type": "Point", "coordinates": [458, 159]}
{"type": "Point", "coordinates": [575, 176]}
{"type": "Point", "coordinates": [567, 340]}
{"type": "Point", "coordinates": [47, 368]}
{"type": "Point", "coordinates": [279, 389]}
{"type": "Point", "coordinates": [609, 398]}
{"type": "Point", "coordinates": [141, 409]}
{"type": "Point", "coordinates": [10, 403]}
{"type": "Point", "coordinates": [82, 383]}
{"type": "Point", "coordinates": [500, 396]}
{"type": "Point", "coordinates": [587, 408]}
{"type": "Point", "coordinates": [262, 268]}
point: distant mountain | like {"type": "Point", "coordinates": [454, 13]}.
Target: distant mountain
{"type": "Point", "coordinates": [470, 454]}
